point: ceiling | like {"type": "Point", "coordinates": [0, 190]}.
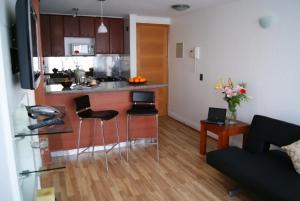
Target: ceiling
{"type": "Point", "coordinates": [121, 8]}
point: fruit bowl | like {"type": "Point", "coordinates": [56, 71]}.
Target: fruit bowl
{"type": "Point", "coordinates": [137, 83]}
{"type": "Point", "coordinates": [138, 80]}
{"type": "Point", "coordinates": [67, 83]}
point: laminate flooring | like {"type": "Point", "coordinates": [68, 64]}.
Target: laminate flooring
{"type": "Point", "coordinates": [181, 173]}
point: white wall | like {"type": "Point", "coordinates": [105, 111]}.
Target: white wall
{"type": "Point", "coordinates": [233, 45]}
{"type": "Point", "coordinates": [11, 95]}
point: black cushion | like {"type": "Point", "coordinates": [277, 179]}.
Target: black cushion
{"type": "Point", "coordinates": [265, 131]}
{"type": "Point", "coordinates": [82, 102]}
{"type": "Point", "coordinates": [142, 110]}
{"type": "Point", "coordinates": [271, 174]}
{"type": "Point", "coordinates": [103, 115]}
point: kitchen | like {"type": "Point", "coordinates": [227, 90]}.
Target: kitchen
{"type": "Point", "coordinates": [180, 55]}
{"type": "Point", "coordinates": [79, 60]}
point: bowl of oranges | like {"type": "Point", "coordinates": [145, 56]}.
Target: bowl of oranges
{"type": "Point", "coordinates": [137, 80]}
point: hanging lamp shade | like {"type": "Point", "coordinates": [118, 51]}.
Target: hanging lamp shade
{"type": "Point", "coordinates": [102, 28]}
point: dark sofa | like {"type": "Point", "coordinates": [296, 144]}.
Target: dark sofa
{"type": "Point", "coordinates": [269, 173]}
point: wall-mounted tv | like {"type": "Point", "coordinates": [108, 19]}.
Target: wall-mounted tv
{"type": "Point", "coordinates": [26, 27]}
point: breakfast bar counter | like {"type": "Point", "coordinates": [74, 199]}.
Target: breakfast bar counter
{"type": "Point", "coordinates": [102, 87]}
{"type": "Point", "coordinates": [106, 96]}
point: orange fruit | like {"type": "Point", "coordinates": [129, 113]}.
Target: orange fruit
{"type": "Point", "coordinates": [130, 80]}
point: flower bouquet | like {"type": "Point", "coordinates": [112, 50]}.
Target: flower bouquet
{"type": "Point", "coordinates": [233, 95]}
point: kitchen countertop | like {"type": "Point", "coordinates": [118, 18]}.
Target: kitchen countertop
{"type": "Point", "coordinates": [102, 87]}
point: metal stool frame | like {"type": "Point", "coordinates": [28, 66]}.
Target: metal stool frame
{"type": "Point", "coordinates": [146, 101]}
{"type": "Point", "coordinates": [102, 136]}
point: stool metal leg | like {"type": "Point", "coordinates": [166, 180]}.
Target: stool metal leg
{"type": "Point", "coordinates": [78, 138]}
{"type": "Point", "coordinates": [157, 147]}
{"type": "Point", "coordinates": [94, 137]}
{"type": "Point", "coordinates": [118, 136]}
{"type": "Point", "coordinates": [127, 132]}
{"type": "Point", "coordinates": [103, 142]}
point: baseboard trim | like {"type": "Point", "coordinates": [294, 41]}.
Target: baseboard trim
{"type": "Point", "coordinates": [74, 151]}
{"type": "Point", "coordinates": [189, 123]}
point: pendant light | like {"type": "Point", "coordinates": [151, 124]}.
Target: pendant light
{"type": "Point", "coordinates": [102, 28]}
{"type": "Point", "coordinates": [75, 12]}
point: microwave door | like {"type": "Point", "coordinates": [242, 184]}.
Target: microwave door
{"type": "Point", "coordinates": [82, 49]}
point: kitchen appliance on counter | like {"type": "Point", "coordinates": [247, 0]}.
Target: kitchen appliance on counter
{"type": "Point", "coordinates": [80, 77]}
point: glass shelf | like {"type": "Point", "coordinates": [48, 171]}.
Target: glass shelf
{"type": "Point", "coordinates": [32, 146]}
{"type": "Point", "coordinates": [22, 120]}
{"type": "Point", "coordinates": [29, 183]}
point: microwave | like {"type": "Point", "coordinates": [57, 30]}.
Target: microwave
{"type": "Point", "coordinates": [82, 49]}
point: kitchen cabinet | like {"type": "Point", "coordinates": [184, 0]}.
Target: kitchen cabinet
{"type": "Point", "coordinates": [56, 27]}
{"type": "Point", "coordinates": [71, 26]}
{"type": "Point", "coordinates": [57, 35]}
{"type": "Point", "coordinates": [102, 39]}
{"type": "Point", "coordinates": [116, 33]}
{"type": "Point", "coordinates": [113, 41]}
{"type": "Point", "coordinates": [86, 27]}
{"type": "Point", "coordinates": [45, 35]}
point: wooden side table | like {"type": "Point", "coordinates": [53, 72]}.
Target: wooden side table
{"type": "Point", "coordinates": [223, 131]}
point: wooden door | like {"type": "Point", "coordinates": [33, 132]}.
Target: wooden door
{"type": "Point", "coordinates": [57, 35]}
{"type": "Point", "coordinates": [87, 27]}
{"type": "Point", "coordinates": [116, 31]}
{"type": "Point", "coordinates": [152, 58]}
{"type": "Point", "coordinates": [45, 35]}
{"type": "Point", "coordinates": [102, 39]}
{"type": "Point", "coordinates": [71, 26]}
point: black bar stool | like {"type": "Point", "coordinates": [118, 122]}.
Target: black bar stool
{"type": "Point", "coordinates": [84, 112]}
{"type": "Point", "coordinates": [143, 104]}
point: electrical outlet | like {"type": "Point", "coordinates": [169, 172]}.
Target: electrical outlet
{"type": "Point", "coordinates": [201, 77]}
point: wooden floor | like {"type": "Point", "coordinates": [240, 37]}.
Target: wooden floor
{"type": "Point", "coordinates": [181, 174]}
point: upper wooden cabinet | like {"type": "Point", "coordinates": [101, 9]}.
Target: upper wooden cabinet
{"type": "Point", "coordinates": [71, 26]}
{"type": "Point", "coordinates": [45, 35]}
{"type": "Point", "coordinates": [57, 35]}
{"type": "Point", "coordinates": [113, 41]}
{"type": "Point", "coordinates": [86, 27]}
{"type": "Point", "coordinates": [56, 27]}
{"type": "Point", "coordinates": [102, 39]}
{"type": "Point", "coordinates": [116, 33]}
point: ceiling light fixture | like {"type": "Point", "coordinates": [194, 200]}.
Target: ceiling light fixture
{"type": "Point", "coordinates": [75, 10]}
{"type": "Point", "coordinates": [102, 28]}
{"type": "Point", "coordinates": [180, 7]}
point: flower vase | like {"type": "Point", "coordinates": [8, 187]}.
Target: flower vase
{"type": "Point", "coordinates": [232, 113]}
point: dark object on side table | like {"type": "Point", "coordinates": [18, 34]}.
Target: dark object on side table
{"type": "Point", "coordinates": [267, 172]}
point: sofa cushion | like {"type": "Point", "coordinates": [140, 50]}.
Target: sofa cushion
{"type": "Point", "coordinates": [271, 174]}
{"type": "Point", "coordinates": [293, 150]}
{"type": "Point", "coordinates": [265, 131]}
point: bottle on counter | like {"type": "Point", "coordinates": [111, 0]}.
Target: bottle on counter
{"type": "Point", "coordinates": [79, 75]}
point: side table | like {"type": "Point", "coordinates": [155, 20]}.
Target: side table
{"type": "Point", "coordinates": [223, 131]}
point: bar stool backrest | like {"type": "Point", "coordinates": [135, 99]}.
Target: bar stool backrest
{"type": "Point", "coordinates": [143, 97]}
{"type": "Point", "coordinates": [82, 103]}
